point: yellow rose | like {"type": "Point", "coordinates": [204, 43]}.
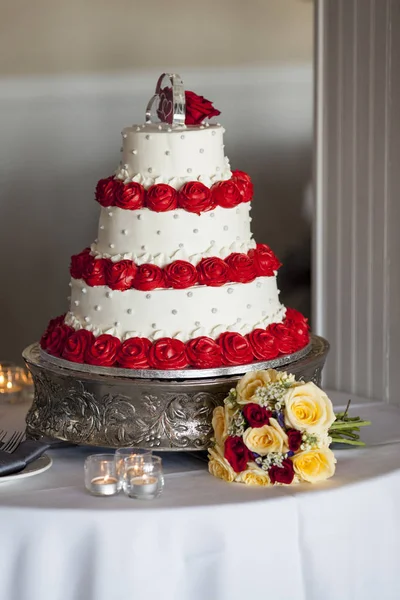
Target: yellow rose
{"type": "Point", "coordinates": [314, 465]}
{"type": "Point", "coordinates": [218, 423]}
{"type": "Point", "coordinates": [254, 476]}
{"type": "Point", "coordinates": [265, 439]}
{"type": "Point", "coordinates": [219, 466]}
{"type": "Point", "coordinates": [248, 385]}
{"type": "Point", "coordinates": [308, 408]}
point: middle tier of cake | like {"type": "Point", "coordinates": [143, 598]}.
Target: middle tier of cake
{"type": "Point", "coordinates": [146, 236]}
{"type": "Point", "coordinates": [180, 313]}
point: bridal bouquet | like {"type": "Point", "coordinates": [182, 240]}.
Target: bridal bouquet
{"type": "Point", "coordinates": [273, 429]}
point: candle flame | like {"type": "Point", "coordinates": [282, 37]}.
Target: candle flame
{"type": "Point", "coordinates": [1, 379]}
{"type": "Point", "coordinates": [9, 385]}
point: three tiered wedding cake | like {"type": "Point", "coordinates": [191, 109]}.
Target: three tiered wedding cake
{"type": "Point", "coordinates": [175, 279]}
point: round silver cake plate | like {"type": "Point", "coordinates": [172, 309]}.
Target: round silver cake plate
{"type": "Point", "coordinates": [276, 363]}
{"type": "Point", "coordinates": [112, 411]}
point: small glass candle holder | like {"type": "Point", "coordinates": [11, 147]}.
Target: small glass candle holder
{"type": "Point", "coordinates": [122, 453]}
{"type": "Point", "coordinates": [143, 476]}
{"type": "Point", "coordinates": [12, 382]}
{"type": "Point", "coordinates": [101, 475]}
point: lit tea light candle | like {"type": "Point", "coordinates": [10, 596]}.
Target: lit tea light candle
{"type": "Point", "coordinates": [11, 381]}
{"type": "Point", "coordinates": [143, 485]}
{"type": "Point", "coordinates": [104, 486]}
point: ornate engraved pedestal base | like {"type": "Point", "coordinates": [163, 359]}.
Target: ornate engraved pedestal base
{"type": "Point", "coordinates": [107, 410]}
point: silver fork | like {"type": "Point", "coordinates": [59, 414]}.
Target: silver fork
{"type": "Point", "coordinates": [13, 442]}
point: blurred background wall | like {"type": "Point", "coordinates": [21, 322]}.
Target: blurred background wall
{"type": "Point", "coordinates": [73, 74]}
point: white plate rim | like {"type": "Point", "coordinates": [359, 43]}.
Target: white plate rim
{"type": "Point", "coordinates": [23, 474]}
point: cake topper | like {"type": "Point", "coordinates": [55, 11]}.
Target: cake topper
{"type": "Point", "coordinates": [177, 106]}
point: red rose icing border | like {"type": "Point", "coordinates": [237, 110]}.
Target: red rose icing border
{"type": "Point", "coordinates": [193, 196]}
{"type": "Point", "coordinates": [180, 274]}
{"type": "Point", "coordinates": [230, 348]}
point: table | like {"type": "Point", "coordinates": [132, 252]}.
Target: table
{"type": "Point", "coordinates": [204, 539]}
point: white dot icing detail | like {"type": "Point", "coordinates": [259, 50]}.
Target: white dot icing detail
{"type": "Point", "coordinates": [124, 232]}
{"type": "Point", "coordinates": [137, 128]}
{"type": "Point", "coordinates": [154, 325]}
{"type": "Point", "coordinates": [110, 214]}
{"type": "Point", "coordinates": [197, 323]}
{"type": "Point", "coordinates": [174, 311]}
{"type": "Point", "coordinates": [87, 319]}
{"type": "Point", "coordinates": [217, 168]}
{"type": "Point", "coordinates": [147, 137]}
{"type": "Point", "coordinates": [133, 151]}
{"type": "Point", "coordinates": [207, 124]}
{"type": "Point", "coordinates": [117, 324]}
{"type": "Point", "coordinates": [201, 150]}
{"type": "Point", "coordinates": [189, 170]}
{"type": "Point", "coordinates": [101, 227]}
{"type": "Point", "coordinates": [143, 247]}
{"type": "Point", "coordinates": [258, 284]}
{"type": "Point", "coordinates": [126, 167]}
{"type": "Point", "coordinates": [214, 132]}
{"type": "Point", "coordinates": [160, 127]}
{"type": "Point", "coordinates": [76, 302]}
{"type": "Point", "coordinates": [129, 311]}
{"type": "Point", "coordinates": [182, 137]}
{"type": "Point", "coordinates": [181, 245]}
{"type": "Point", "coordinates": [84, 290]}
{"type": "Point", "coordinates": [148, 296]}
{"type": "Point", "coordinates": [189, 294]}
{"type": "Point", "coordinates": [195, 231]}
{"type": "Point", "coordinates": [167, 152]}
{"type": "Point", "coordinates": [109, 294]}
{"type": "Point", "coordinates": [112, 246]}
{"type": "Point", "coordinates": [97, 307]}
{"type": "Point", "coordinates": [139, 217]}
{"type": "Point", "coordinates": [212, 215]}
{"type": "Point", "coordinates": [214, 310]}
{"type": "Point", "coordinates": [248, 306]}
{"type": "Point", "coordinates": [159, 232]}
{"type": "Point", "coordinates": [176, 216]}
{"type": "Point", "coordinates": [230, 290]}
{"type": "Point", "coordinates": [70, 284]}
{"type": "Point", "coordinates": [226, 227]}
{"type": "Point", "coordinates": [150, 170]}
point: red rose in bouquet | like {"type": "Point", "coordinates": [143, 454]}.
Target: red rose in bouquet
{"type": "Point", "coordinates": [244, 184]}
{"type": "Point", "coordinates": [120, 275]}
{"type": "Point", "coordinates": [130, 196]}
{"type": "Point", "coordinates": [168, 353]}
{"type": "Point", "coordinates": [77, 344]}
{"type": "Point", "coordinates": [226, 194]}
{"type": "Point", "coordinates": [283, 474]}
{"type": "Point", "coordinates": [55, 340]}
{"type": "Point", "coordinates": [213, 271]}
{"type": "Point", "coordinates": [94, 272]}
{"type": "Point", "coordinates": [241, 267]}
{"type": "Point", "coordinates": [236, 453]}
{"type": "Point", "coordinates": [180, 274]}
{"type": "Point", "coordinates": [203, 353]}
{"type": "Point", "coordinates": [265, 261]}
{"type": "Point", "coordinates": [235, 349]}
{"type": "Point", "coordinates": [283, 336]}
{"type": "Point", "coordinates": [161, 198]}
{"type": "Point", "coordinates": [149, 277]}
{"type": "Point", "coordinates": [295, 439]}
{"type": "Point", "coordinates": [198, 108]}
{"type": "Point", "coordinates": [256, 415]}
{"type": "Point", "coordinates": [79, 262]}
{"type": "Point", "coordinates": [133, 353]}
{"type": "Point", "coordinates": [103, 351]}
{"type": "Point", "coordinates": [195, 197]}
{"type": "Point", "coordinates": [263, 344]}
{"type": "Point", "coordinates": [106, 191]}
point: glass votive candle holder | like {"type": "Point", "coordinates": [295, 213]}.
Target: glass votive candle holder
{"type": "Point", "coordinates": [143, 476]}
{"type": "Point", "coordinates": [101, 475]}
{"type": "Point", "coordinates": [12, 381]}
{"type": "Point", "coordinates": [122, 453]}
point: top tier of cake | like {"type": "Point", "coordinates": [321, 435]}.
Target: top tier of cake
{"type": "Point", "coordinates": [157, 153]}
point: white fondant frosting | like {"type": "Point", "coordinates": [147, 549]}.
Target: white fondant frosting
{"type": "Point", "coordinates": [172, 313]}
{"type": "Point", "coordinates": [146, 236]}
{"type": "Point", "coordinates": [173, 155]}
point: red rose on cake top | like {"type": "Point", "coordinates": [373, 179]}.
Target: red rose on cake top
{"type": "Point", "coordinates": [197, 107]}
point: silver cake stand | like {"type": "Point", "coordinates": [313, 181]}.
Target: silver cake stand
{"type": "Point", "coordinates": [166, 410]}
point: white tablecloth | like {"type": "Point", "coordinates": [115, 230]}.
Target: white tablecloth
{"type": "Point", "coordinates": [204, 539]}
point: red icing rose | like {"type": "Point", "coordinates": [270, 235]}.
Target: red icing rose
{"type": "Point", "coordinates": [256, 415]}
{"type": "Point", "coordinates": [55, 339]}
{"type": "Point", "coordinates": [133, 353]}
{"type": "Point", "coordinates": [180, 274]}
{"type": "Point", "coordinates": [103, 351]}
{"type": "Point", "coordinates": [241, 267]}
{"type": "Point", "coordinates": [77, 344]}
{"type": "Point", "coordinates": [161, 197]}
{"type": "Point", "coordinates": [235, 349]}
{"type": "Point", "coordinates": [203, 353]}
{"type": "Point", "coordinates": [263, 344]}
{"type": "Point", "coordinates": [130, 196]}
{"type": "Point", "coordinates": [168, 353]}
{"type": "Point", "coordinates": [95, 271]}
{"type": "Point", "coordinates": [265, 261]}
{"type": "Point", "coordinates": [198, 108]}
{"type": "Point", "coordinates": [295, 439]}
{"type": "Point", "coordinates": [299, 327]}
{"type": "Point", "coordinates": [295, 316]}
{"type": "Point", "coordinates": [120, 275]}
{"type": "Point", "coordinates": [148, 277]}
{"type": "Point", "coordinates": [283, 336]}
{"type": "Point", "coordinates": [55, 322]}
{"type": "Point", "coordinates": [213, 271]}
{"type": "Point", "coordinates": [226, 194]}
{"type": "Point", "coordinates": [244, 184]}
{"type": "Point", "coordinates": [79, 262]}
{"type": "Point", "coordinates": [283, 474]}
{"type": "Point", "coordinates": [236, 453]}
{"type": "Point", "coordinates": [195, 197]}
{"type": "Point", "coordinates": [106, 190]}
